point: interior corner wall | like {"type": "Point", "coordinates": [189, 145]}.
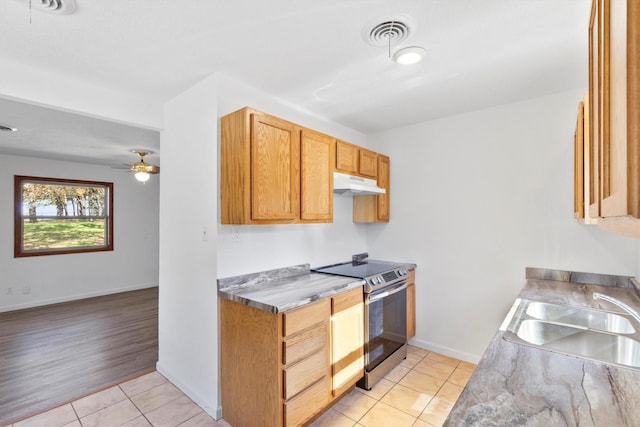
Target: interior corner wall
{"type": "Point", "coordinates": [251, 248]}
{"type": "Point", "coordinates": [133, 264]}
{"type": "Point", "coordinates": [476, 198]}
{"type": "Point", "coordinates": [188, 308]}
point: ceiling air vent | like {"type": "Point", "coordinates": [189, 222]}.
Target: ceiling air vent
{"type": "Point", "coordinates": [395, 30]}
{"type": "Point", "coordinates": [52, 6]}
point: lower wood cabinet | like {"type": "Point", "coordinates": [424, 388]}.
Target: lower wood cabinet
{"type": "Point", "coordinates": [347, 340]}
{"type": "Point", "coordinates": [284, 369]}
{"type": "Point", "coordinates": [411, 304]}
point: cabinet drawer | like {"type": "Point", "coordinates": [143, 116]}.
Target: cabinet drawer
{"type": "Point", "coordinates": [304, 373]}
{"type": "Point", "coordinates": [304, 343]}
{"type": "Point", "coordinates": [302, 318]}
{"type": "Point", "coordinates": [346, 299]}
{"type": "Point", "coordinates": [307, 404]}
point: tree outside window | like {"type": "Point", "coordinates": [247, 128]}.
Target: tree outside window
{"type": "Point", "coordinates": [61, 216]}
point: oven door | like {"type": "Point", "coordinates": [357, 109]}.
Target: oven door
{"type": "Point", "coordinates": [385, 324]}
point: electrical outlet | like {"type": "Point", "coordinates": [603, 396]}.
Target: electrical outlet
{"type": "Point", "coordinates": [205, 236]}
{"type": "Point", "coordinates": [9, 291]}
{"type": "Point", "coordinates": [236, 234]}
{"type": "Point", "coordinates": [26, 289]}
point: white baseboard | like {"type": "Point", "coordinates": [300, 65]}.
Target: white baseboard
{"type": "Point", "coordinates": [67, 298]}
{"type": "Point", "coordinates": [451, 352]}
{"type": "Point", "coordinates": [211, 409]}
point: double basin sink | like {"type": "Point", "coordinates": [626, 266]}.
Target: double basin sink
{"type": "Point", "coordinates": [599, 335]}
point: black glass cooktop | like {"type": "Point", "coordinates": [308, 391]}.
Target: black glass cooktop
{"type": "Point", "coordinates": [359, 270]}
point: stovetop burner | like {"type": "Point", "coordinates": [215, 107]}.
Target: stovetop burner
{"type": "Point", "coordinates": [359, 270]}
{"type": "Point", "coordinates": [377, 274]}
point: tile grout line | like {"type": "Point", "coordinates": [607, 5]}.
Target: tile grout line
{"type": "Point", "coordinates": [136, 406]}
{"type": "Point", "coordinates": [76, 412]}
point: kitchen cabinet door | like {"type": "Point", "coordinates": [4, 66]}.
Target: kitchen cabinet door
{"type": "Point", "coordinates": [578, 165]}
{"type": "Point", "coordinates": [382, 200]}
{"type": "Point", "coordinates": [317, 159]}
{"type": "Point", "coordinates": [347, 340]}
{"type": "Point", "coordinates": [346, 157]}
{"type": "Point", "coordinates": [367, 163]}
{"type": "Point", "coordinates": [259, 169]}
{"type": "Point", "coordinates": [594, 110]}
{"type": "Point", "coordinates": [275, 174]}
{"type": "Point", "coordinates": [620, 170]}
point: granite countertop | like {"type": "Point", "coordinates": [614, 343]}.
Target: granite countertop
{"type": "Point", "coordinates": [283, 289]}
{"type": "Point", "coordinates": [520, 385]}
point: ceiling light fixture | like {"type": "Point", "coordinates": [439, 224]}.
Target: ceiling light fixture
{"type": "Point", "coordinates": [4, 128]}
{"type": "Point", "coordinates": [142, 176]}
{"type": "Point", "coordinates": [143, 170]}
{"type": "Point", "coordinates": [409, 55]}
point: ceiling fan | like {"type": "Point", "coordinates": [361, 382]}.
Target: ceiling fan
{"type": "Point", "coordinates": [142, 169]}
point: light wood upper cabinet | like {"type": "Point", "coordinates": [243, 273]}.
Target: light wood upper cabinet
{"type": "Point", "coordinates": [583, 178]}
{"type": "Point", "coordinates": [317, 159]}
{"type": "Point", "coordinates": [578, 165]}
{"type": "Point", "coordinates": [620, 180]}
{"type": "Point", "coordinates": [368, 163]}
{"type": "Point", "coordinates": [354, 160]}
{"type": "Point", "coordinates": [382, 200]}
{"type": "Point", "coordinates": [275, 159]}
{"type": "Point", "coordinates": [346, 157]}
{"type": "Point", "coordinates": [375, 208]}
{"type": "Point", "coordinates": [611, 132]}
{"type": "Point", "coordinates": [273, 171]}
{"type": "Point", "coordinates": [593, 113]}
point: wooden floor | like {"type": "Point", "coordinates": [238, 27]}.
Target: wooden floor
{"type": "Point", "coordinates": [53, 354]}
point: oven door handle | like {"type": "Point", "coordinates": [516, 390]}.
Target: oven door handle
{"type": "Point", "coordinates": [376, 297]}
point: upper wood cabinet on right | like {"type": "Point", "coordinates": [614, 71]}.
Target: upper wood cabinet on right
{"type": "Point", "coordinates": [375, 208]}
{"type": "Point", "coordinates": [614, 79]}
{"type": "Point", "coordinates": [354, 160]}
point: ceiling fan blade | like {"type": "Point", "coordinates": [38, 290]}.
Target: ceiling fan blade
{"type": "Point", "coordinates": [123, 167]}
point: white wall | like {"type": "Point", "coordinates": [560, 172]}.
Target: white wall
{"type": "Point", "coordinates": [133, 263]}
{"type": "Point", "coordinates": [188, 320]}
{"type": "Point", "coordinates": [476, 198]}
{"type": "Point", "coordinates": [248, 249]}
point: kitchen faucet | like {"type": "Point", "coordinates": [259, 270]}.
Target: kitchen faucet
{"type": "Point", "coordinates": [625, 307]}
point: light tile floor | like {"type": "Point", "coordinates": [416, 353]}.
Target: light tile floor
{"type": "Point", "coordinates": [419, 392]}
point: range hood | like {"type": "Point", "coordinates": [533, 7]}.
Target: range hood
{"type": "Point", "coordinates": [355, 185]}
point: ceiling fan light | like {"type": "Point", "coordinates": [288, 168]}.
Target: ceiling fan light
{"type": "Point", "coordinates": [142, 176]}
{"type": "Point", "coordinates": [409, 55]}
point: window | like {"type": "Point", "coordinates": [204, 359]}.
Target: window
{"type": "Point", "coordinates": [62, 216]}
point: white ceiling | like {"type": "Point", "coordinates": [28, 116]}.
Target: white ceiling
{"type": "Point", "coordinates": [480, 53]}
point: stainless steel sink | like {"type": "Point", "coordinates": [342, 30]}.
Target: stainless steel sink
{"type": "Point", "coordinates": [578, 316]}
{"type": "Point", "coordinates": [593, 334]}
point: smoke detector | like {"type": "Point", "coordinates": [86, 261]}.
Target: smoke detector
{"type": "Point", "coordinates": [63, 7]}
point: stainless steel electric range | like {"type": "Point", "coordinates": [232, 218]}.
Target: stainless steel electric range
{"type": "Point", "coordinates": [385, 312]}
